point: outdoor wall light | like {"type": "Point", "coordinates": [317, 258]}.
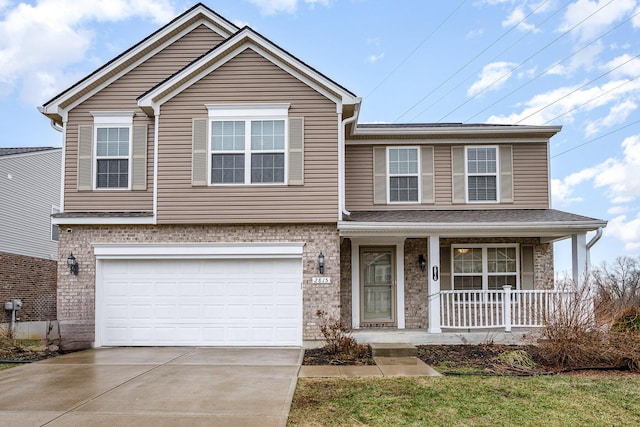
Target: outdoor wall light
{"type": "Point", "coordinates": [73, 264]}
{"type": "Point", "coordinates": [321, 263]}
{"type": "Point", "coordinates": [422, 262]}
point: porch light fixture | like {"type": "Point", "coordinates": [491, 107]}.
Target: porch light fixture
{"type": "Point", "coordinates": [422, 262]}
{"type": "Point", "coordinates": [73, 264]}
{"type": "Point", "coordinates": [321, 263]}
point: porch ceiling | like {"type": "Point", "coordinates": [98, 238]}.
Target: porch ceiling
{"type": "Point", "coordinates": [549, 224]}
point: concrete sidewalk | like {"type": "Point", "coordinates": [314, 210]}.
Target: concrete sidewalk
{"type": "Point", "coordinates": [385, 367]}
{"type": "Point", "coordinates": [164, 386]}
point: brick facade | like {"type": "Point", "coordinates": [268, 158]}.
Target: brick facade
{"type": "Point", "coordinates": [415, 285]}
{"type": "Point", "coordinates": [76, 294]}
{"type": "Point", "coordinates": [33, 280]}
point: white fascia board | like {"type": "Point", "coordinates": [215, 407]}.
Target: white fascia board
{"type": "Point", "coordinates": [257, 44]}
{"type": "Point", "coordinates": [104, 221]}
{"type": "Point", "coordinates": [249, 250]}
{"type": "Point", "coordinates": [112, 117]}
{"type": "Point", "coordinates": [446, 141]}
{"type": "Point", "coordinates": [247, 110]}
{"type": "Point", "coordinates": [544, 229]}
{"type": "Point", "coordinates": [52, 106]}
{"type": "Point", "coordinates": [457, 130]}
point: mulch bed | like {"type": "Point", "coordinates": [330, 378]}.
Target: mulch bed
{"type": "Point", "coordinates": [15, 352]}
{"type": "Point", "coordinates": [321, 356]}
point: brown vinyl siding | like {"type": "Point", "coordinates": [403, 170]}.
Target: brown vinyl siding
{"type": "Point", "coordinates": [248, 78]}
{"type": "Point", "coordinates": [121, 96]}
{"type": "Point", "coordinates": [530, 179]}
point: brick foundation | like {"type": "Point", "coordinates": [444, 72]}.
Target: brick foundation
{"type": "Point", "coordinates": [76, 294]}
{"type": "Point", "coordinates": [33, 280]}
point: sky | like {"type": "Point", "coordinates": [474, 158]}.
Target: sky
{"type": "Point", "coordinates": [574, 63]}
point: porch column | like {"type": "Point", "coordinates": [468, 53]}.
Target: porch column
{"type": "Point", "coordinates": [579, 257]}
{"type": "Point", "coordinates": [433, 273]}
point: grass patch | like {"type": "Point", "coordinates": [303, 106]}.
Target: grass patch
{"type": "Point", "coordinates": [445, 401]}
{"type": "Point", "coordinates": [7, 365]}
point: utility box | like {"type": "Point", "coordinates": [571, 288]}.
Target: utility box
{"type": "Point", "coordinates": [14, 304]}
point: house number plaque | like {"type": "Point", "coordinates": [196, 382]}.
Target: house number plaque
{"type": "Point", "coordinates": [320, 280]}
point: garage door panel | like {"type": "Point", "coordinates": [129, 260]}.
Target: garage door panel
{"type": "Point", "coordinates": [201, 302]}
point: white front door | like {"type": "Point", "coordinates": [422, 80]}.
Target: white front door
{"type": "Point", "coordinates": [378, 284]}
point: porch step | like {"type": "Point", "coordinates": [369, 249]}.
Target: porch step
{"type": "Point", "coordinates": [393, 350]}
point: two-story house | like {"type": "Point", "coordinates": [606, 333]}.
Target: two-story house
{"type": "Point", "coordinates": [29, 194]}
{"type": "Point", "coordinates": [219, 191]}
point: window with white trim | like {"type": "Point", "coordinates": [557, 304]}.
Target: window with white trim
{"type": "Point", "coordinates": [485, 267]}
{"type": "Point", "coordinates": [248, 144]}
{"type": "Point", "coordinates": [403, 167]}
{"type": "Point", "coordinates": [112, 150]}
{"type": "Point", "coordinates": [482, 174]}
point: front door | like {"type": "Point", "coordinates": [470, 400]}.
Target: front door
{"type": "Point", "coordinates": [378, 284]}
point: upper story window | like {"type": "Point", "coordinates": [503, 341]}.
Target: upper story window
{"type": "Point", "coordinates": [55, 231]}
{"type": "Point", "coordinates": [404, 173]}
{"type": "Point", "coordinates": [248, 144]}
{"type": "Point", "coordinates": [482, 174]}
{"type": "Point", "coordinates": [112, 150]}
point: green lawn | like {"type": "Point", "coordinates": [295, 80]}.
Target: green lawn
{"type": "Point", "coordinates": [467, 401]}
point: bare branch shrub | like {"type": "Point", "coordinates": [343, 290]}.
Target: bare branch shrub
{"type": "Point", "coordinates": [616, 286]}
{"type": "Point", "coordinates": [572, 337]}
{"type": "Point", "coordinates": [337, 337]}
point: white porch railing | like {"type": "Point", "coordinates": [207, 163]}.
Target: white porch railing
{"type": "Point", "coordinates": [504, 308]}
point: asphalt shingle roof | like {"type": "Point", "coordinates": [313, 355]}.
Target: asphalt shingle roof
{"type": "Point", "coordinates": [23, 150]}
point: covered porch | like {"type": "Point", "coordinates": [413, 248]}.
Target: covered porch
{"type": "Point", "coordinates": [455, 272]}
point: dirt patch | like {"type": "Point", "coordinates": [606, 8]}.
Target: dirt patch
{"type": "Point", "coordinates": [322, 356]}
{"type": "Point", "coordinates": [21, 351]}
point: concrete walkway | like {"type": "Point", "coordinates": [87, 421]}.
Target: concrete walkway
{"type": "Point", "coordinates": [385, 367]}
{"type": "Point", "coordinates": [153, 387]}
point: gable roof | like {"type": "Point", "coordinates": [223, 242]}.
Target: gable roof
{"type": "Point", "coordinates": [246, 38]}
{"type": "Point", "coordinates": [57, 107]}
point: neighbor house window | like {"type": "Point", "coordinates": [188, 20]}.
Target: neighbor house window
{"type": "Point", "coordinates": [485, 267]}
{"type": "Point", "coordinates": [249, 145]}
{"type": "Point", "coordinates": [112, 150]}
{"type": "Point", "coordinates": [403, 171]}
{"type": "Point", "coordinates": [482, 174]}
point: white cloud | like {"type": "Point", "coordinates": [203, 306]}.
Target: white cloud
{"type": "Point", "coordinates": [628, 66]}
{"type": "Point", "coordinates": [272, 7]}
{"type": "Point", "coordinates": [375, 58]}
{"type": "Point", "coordinates": [493, 76]}
{"type": "Point", "coordinates": [475, 33]}
{"type": "Point", "coordinates": [37, 65]}
{"type": "Point", "coordinates": [618, 177]}
{"type": "Point", "coordinates": [592, 27]}
{"type": "Point", "coordinates": [568, 101]}
{"type": "Point", "coordinates": [617, 210]}
{"type": "Point", "coordinates": [636, 19]}
{"type": "Point", "coordinates": [617, 114]}
{"type": "Point", "coordinates": [516, 17]}
{"type": "Point", "coordinates": [628, 231]}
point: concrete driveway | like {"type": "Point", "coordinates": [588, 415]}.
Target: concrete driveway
{"type": "Point", "coordinates": [162, 386]}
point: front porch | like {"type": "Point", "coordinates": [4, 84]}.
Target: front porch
{"type": "Point", "coordinates": [456, 282]}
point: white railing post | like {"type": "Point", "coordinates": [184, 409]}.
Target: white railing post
{"type": "Point", "coordinates": [433, 284]}
{"type": "Point", "coordinates": [506, 308]}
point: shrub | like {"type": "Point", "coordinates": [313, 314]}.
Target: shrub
{"type": "Point", "coordinates": [627, 320]}
{"type": "Point", "coordinates": [337, 337]}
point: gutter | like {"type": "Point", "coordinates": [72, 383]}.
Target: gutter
{"type": "Point", "coordinates": [591, 244]}
{"type": "Point", "coordinates": [342, 129]}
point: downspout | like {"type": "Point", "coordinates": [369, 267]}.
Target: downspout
{"type": "Point", "coordinates": [341, 158]}
{"type": "Point", "coordinates": [590, 244]}
{"type": "Point", "coordinates": [156, 113]}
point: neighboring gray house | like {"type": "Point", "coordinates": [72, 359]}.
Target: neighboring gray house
{"type": "Point", "coordinates": [29, 194]}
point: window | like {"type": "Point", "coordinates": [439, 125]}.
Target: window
{"type": "Point", "coordinates": [489, 267]}
{"type": "Point", "coordinates": [482, 174]}
{"type": "Point", "coordinates": [403, 172]}
{"type": "Point", "coordinates": [55, 231]}
{"type": "Point", "coordinates": [112, 149]}
{"type": "Point", "coordinates": [249, 147]}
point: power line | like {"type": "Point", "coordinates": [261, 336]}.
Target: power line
{"type": "Point", "coordinates": [553, 66]}
{"type": "Point", "coordinates": [592, 99]}
{"type": "Point", "coordinates": [596, 139]}
{"type": "Point", "coordinates": [472, 59]}
{"type": "Point", "coordinates": [578, 88]}
{"type": "Point", "coordinates": [526, 60]}
{"type": "Point", "coordinates": [416, 48]}
{"type": "Point", "coordinates": [491, 60]}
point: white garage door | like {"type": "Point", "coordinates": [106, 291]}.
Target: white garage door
{"type": "Point", "coordinates": [208, 302]}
